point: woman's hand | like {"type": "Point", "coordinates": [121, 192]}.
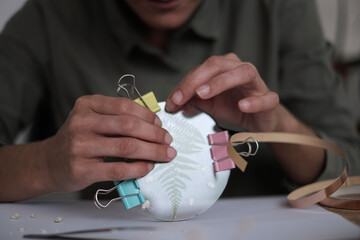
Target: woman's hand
{"type": "Point", "coordinates": [99, 127]}
{"type": "Point", "coordinates": [71, 160]}
{"type": "Point", "coordinates": [231, 91]}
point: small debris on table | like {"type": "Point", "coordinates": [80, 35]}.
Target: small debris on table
{"type": "Point", "coordinates": [16, 216]}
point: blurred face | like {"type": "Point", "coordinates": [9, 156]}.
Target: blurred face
{"type": "Point", "coordinates": [163, 14]}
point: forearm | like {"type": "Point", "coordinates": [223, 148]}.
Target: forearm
{"type": "Point", "coordinates": [302, 164]}
{"type": "Point", "coordinates": [24, 172]}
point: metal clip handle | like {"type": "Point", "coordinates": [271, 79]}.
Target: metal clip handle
{"type": "Point", "coordinates": [122, 85]}
{"type": "Point", "coordinates": [248, 141]}
{"type": "Point", "coordinates": [105, 192]}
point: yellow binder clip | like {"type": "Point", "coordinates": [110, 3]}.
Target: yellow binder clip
{"type": "Point", "coordinates": [148, 100]}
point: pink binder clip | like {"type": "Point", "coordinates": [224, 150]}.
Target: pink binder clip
{"type": "Point", "coordinates": [218, 150]}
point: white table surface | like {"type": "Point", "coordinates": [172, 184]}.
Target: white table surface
{"type": "Point", "coordinates": [241, 218]}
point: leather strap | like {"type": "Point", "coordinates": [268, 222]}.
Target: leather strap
{"type": "Point", "coordinates": [318, 192]}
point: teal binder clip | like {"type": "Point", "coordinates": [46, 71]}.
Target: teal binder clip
{"type": "Point", "coordinates": [130, 187]}
{"type": "Point", "coordinates": [129, 191]}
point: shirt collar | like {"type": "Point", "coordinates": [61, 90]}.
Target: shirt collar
{"type": "Point", "coordinates": [123, 23]}
{"type": "Point", "coordinates": [204, 22]}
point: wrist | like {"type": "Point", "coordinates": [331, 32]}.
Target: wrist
{"type": "Point", "coordinates": [287, 122]}
{"type": "Point", "coordinates": [24, 172]}
{"type": "Point", "coordinates": [47, 154]}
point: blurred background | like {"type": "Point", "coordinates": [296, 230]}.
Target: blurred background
{"type": "Point", "coordinates": [341, 24]}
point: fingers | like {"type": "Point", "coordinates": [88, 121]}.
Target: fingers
{"type": "Point", "coordinates": [100, 126]}
{"type": "Point", "coordinates": [122, 125]}
{"type": "Point", "coordinates": [120, 170]}
{"type": "Point", "coordinates": [243, 75]}
{"type": "Point", "coordinates": [232, 56]}
{"type": "Point", "coordinates": [216, 75]}
{"type": "Point", "coordinates": [219, 74]}
{"type": "Point", "coordinates": [116, 129]}
{"type": "Point", "coordinates": [95, 171]}
{"type": "Point", "coordinates": [200, 75]}
{"type": "Point", "coordinates": [89, 168]}
{"type": "Point", "coordinates": [125, 147]}
{"type": "Point", "coordinates": [114, 106]}
{"type": "Point", "coordinates": [94, 135]}
{"type": "Point", "coordinates": [262, 103]}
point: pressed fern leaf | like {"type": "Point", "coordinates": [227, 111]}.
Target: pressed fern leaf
{"type": "Point", "coordinates": [174, 176]}
{"type": "Point", "coordinates": [187, 138]}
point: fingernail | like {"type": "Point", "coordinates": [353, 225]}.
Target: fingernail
{"type": "Point", "coordinates": [157, 122]}
{"type": "Point", "coordinates": [170, 106]}
{"type": "Point", "coordinates": [244, 105]}
{"type": "Point", "coordinates": [168, 138]}
{"type": "Point", "coordinates": [171, 152]}
{"type": "Point", "coordinates": [151, 166]}
{"type": "Point", "coordinates": [177, 97]}
{"type": "Point", "coordinates": [203, 90]}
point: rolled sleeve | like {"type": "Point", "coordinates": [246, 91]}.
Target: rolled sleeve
{"type": "Point", "coordinates": [334, 164]}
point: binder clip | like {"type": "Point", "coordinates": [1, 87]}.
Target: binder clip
{"type": "Point", "coordinates": [129, 190]}
{"type": "Point", "coordinates": [218, 150]}
{"type": "Point", "coordinates": [148, 100]}
{"type": "Point", "coordinates": [218, 142]}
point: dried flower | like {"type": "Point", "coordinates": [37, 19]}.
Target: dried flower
{"type": "Point", "coordinates": [146, 205]}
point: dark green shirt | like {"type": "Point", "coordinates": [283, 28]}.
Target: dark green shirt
{"type": "Point", "coordinates": [52, 52]}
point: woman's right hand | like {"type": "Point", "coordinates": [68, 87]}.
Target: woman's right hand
{"type": "Point", "coordinates": [98, 127]}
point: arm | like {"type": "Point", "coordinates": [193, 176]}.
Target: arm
{"type": "Point", "coordinates": [98, 126]}
{"type": "Point", "coordinates": [312, 100]}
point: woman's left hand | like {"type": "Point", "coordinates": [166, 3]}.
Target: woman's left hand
{"type": "Point", "coordinates": [231, 91]}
